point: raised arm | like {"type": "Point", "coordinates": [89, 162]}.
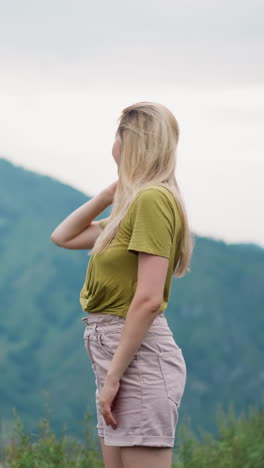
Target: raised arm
{"type": "Point", "coordinates": [79, 230]}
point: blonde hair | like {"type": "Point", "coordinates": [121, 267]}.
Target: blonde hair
{"type": "Point", "coordinates": [149, 135]}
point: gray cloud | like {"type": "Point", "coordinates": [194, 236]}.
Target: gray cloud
{"type": "Point", "coordinates": [191, 43]}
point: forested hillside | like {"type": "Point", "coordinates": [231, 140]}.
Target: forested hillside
{"type": "Point", "coordinates": [215, 312]}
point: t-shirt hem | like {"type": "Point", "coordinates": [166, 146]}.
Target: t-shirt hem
{"type": "Point", "coordinates": [119, 314]}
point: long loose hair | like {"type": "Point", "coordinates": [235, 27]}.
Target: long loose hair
{"type": "Point", "coordinates": [149, 135]}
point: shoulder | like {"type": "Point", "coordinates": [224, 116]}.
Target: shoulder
{"type": "Point", "coordinates": [153, 206]}
{"type": "Point", "coordinates": [154, 195]}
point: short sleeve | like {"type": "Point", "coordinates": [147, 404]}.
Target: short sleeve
{"type": "Point", "coordinates": [152, 223]}
{"type": "Point", "coordinates": [102, 222]}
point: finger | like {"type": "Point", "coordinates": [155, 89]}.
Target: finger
{"type": "Point", "coordinates": [107, 414]}
{"type": "Point", "coordinates": [110, 422]}
{"type": "Point", "coordinates": [109, 418]}
{"type": "Point", "coordinates": [113, 420]}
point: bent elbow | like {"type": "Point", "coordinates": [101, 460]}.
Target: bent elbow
{"type": "Point", "coordinates": [55, 240]}
{"type": "Point", "coordinates": [152, 303]}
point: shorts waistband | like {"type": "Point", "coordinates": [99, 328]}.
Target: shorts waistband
{"type": "Point", "coordinates": [101, 320]}
{"type": "Point", "coordinates": [100, 317]}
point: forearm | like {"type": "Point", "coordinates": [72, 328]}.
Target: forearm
{"type": "Point", "coordinates": [140, 316]}
{"type": "Point", "coordinates": [79, 219]}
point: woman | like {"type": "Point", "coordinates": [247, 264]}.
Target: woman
{"type": "Point", "coordinates": [140, 371]}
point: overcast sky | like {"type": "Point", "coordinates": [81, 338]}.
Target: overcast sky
{"type": "Point", "coordinates": [69, 67]}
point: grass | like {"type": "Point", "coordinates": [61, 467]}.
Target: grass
{"type": "Point", "coordinates": [239, 444]}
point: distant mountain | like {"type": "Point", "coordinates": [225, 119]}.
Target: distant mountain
{"type": "Point", "coordinates": [215, 313]}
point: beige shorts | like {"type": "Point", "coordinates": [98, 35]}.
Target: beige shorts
{"type": "Point", "coordinates": [147, 403]}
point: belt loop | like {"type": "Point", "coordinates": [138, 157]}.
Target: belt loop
{"type": "Point", "coordinates": [92, 326]}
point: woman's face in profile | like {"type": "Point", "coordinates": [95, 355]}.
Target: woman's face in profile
{"type": "Point", "coordinates": [116, 149]}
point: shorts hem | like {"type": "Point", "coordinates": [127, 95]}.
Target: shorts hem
{"type": "Point", "coordinates": [129, 441]}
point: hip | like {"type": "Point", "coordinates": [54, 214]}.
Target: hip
{"type": "Point", "coordinates": [108, 327]}
{"type": "Point", "coordinates": [158, 361]}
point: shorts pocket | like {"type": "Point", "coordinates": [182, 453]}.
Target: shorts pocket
{"type": "Point", "coordinates": [87, 345]}
{"type": "Point", "coordinates": [109, 342]}
{"type": "Point", "coordinates": [107, 347]}
{"type": "Point", "coordinates": [174, 374]}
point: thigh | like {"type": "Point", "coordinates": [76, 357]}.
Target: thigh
{"type": "Point", "coordinates": [142, 457]}
{"type": "Point", "coordinates": [111, 455]}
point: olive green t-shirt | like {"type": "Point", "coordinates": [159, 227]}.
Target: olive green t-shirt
{"type": "Point", "coordinates": [152, 225]}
